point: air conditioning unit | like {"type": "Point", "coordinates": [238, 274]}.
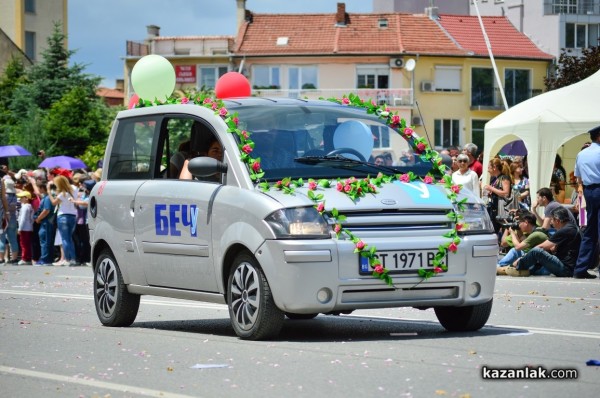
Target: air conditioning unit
{"type": "Point", "coordinates": [427, 85]}
{"type": "Point", "coordinates": [416, 121]}
{"type": "Point", "coordinates": [396, 63]}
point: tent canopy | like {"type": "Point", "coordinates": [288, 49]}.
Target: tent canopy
{"type": "Point", "coordinates": [544, 123]}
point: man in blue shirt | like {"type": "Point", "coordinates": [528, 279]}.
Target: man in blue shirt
{"type": "Point", "coordinates": [45, 218]}
{"type": "Point", "coordinates": [587, 171]}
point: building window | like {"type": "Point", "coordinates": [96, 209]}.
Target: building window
{"type": "Point", "coordinates": [576, 36]}
{"type": "Point", "coordinates": [265, 77]}
{"type": "Point", "coordinates": [447, 78]}
{"type": "Point", "coordinates": [381, 137]}
{"type": "Point", "coordinates": [517, 85]}
{"type": "Point", "coordinates": [447, 133]}
{"type": "Point", "coordinates": [477, 133]}
{"type": "Point", "coordinates": [302, 77]}
{"type": "Point", "coordinates": [372, 77]}
{"type": "Point", "coordinates": [483, 92]}
{"type": "Point", "coordinates": [209, 76]}
{"type": "Point", "coordinates": [30, 45]}
{"type": "Point", "coordinates": [30, 6]}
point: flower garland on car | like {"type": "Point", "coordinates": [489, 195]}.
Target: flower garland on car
{"type": "Point", "coordinates": [352, 187]}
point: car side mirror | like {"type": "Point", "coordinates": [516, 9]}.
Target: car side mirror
{"type": "Point", "coordinates": [204, 166]}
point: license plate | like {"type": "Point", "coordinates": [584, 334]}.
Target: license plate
{"type": "Point", "coordinates": [402, 261]}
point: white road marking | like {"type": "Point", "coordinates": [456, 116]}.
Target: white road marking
{"type": "Point", "coordinates": [91, 383]}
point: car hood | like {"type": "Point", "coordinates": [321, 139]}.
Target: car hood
{"type": "Point", "coordinates": [397, 195]}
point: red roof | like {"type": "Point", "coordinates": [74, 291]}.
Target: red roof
{"type": "Point", "coordinates": [317, 34]}
{"type": "Point", "coordinates": [506, 41]}
{"type": "Point", "coordinates": [109, 93]}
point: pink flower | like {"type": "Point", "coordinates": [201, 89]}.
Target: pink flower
{"type": "Point", "coordinates": [420, 148]}
{"type": "Point", "coordinates": [437, 270]}
{"type": "Point", "coordinates": [453, 247]}
{"type": "Point", "coordinates": [235, 120]}
{"type": "Point", "coordinates": [379, 269]}
{"type": "Point", "coordinates": [321, 207]}
{"type": "Point", "coordinates": [345, 101]}
{"type": "Point", "coordinates": [279, 183]}
{"type": "Point", "coordinates": [185, 100]}
{"type": "Point", "coordinates": [428, 180]}
{"type": "Point", "coordinates": [395, 120]}
{"type": "Point", "coordinates": [214, 106]}
{"type": "Point", "coordinates": [455, 188]}
{"type": "Point", "coordinates": [347, 188]}
{"type": "Point", "coordinates": [312, 185]}
{"type": "Point", "coordinates": [245, 134]}
{"type": "Point", "coordinates": [207, 100]}
{"type": "Point", "coordinates": [459, 226]}
{"type": "Point", "coordinates": [408, 132]}
{"type": "Point", "coordinates": [337, 228]}
{"type": "Point", "coordinates": [223, 111]}
{"type": "Point", "coordinates": [256, 167]}
{"type": "Point", "coordinates": [360, 245]}
{"type": "Point", "coordinates": [247, 148]}
{"type": "Point", "coordinates": [339, 187]}
{"type": "Point", "coordinates": [405, 178]}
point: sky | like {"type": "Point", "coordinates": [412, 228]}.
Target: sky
{"type": "Point", "coordinates": [98, 30]}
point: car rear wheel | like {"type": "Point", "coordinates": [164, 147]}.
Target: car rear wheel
{"type": "Point", "coordinates": [115, 306]}
{"type": "Point", "coordinates": [464, 319]}
{"type": "Point", "coordinates": [253, 313]}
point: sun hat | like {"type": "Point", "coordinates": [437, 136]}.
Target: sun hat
{"type": "Point", "coordinates": [25, 194]}
{"type": "Point", "coordinates": [9, 184]}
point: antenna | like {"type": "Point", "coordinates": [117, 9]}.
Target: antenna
{"type": "Point", "coordinates": [423, 123]}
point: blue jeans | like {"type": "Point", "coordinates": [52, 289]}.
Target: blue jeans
{"type": "Point", "coordinates": [540, 262]}
{"type": "Point", "coordinates": [46, 235]}
{"type": "Point", "coordinates": [588, 250]}
{"type": "Point", "coordinates": [10, 234]}
{"type": "Point", "coordinates": [66, 226]}
{"type": "Point", "coordinates": [510, 257]}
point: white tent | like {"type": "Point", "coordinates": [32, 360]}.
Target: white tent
{"type": "Point", "coordinates": [544, 123]}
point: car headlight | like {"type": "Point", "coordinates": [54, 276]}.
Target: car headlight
{"type": "Point", "coordinates": [298, 222]}
{"type": "Point", "coordinates": [476, 218]}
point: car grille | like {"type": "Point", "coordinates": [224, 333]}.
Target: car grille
{"type": "Point", "coordinates": [398, 220]}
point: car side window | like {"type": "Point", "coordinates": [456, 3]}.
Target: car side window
{"type": "Point", "coordinates": [131, 156]}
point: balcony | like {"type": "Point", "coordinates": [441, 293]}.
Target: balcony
{"type": "Point", "coordinates": [489, 98]}
{"type": "Point", "coordinates": [401, 97]}
{"type": "Point", "coordinates": [574, 7]}
{"type": "Point", "coordinates": [135, 49]}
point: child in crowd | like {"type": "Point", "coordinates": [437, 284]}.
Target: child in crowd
{"type": "Point", "coordinates": [25, 229]}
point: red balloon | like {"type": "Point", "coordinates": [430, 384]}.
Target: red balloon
{"type": "Point", "coordinates": [232, 84]}
{"type": "Point", "coordinates": [133, 101]}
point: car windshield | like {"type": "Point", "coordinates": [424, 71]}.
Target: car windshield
{"type": "Point", "coordinates": [324, 140]}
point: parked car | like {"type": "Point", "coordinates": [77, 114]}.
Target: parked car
{"type": "Point", "coordinates": [224, 237]}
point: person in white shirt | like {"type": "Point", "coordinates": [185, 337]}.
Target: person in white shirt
{"type": "Point", "coordinates": [465, 176]}
{"type": "Point", "coordinates": [25, 227]}
{"type": "Point", "coordinates": [65, 195]}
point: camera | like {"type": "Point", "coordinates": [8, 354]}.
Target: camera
{"type": "Point", "coordinates": [511, 222]}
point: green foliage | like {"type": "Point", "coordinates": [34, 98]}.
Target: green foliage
{"type": "Point", "coordinates": [53, 106]}
{"type": "Point", "coordinates": [93, 154]}
{"type": "Point", "coordinates": [572, 69]}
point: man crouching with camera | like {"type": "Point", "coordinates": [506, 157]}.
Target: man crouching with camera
{"type": "Point", "coordinates": [524, 235]}
{"type": "Point", "coordinates": [556, 255]}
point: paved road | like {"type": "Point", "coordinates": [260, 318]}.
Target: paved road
{"type": "Point", "coordinates": [51, 344]}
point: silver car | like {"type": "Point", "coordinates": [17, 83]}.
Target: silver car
{"type": "Point", "coordinates": [254, 238]}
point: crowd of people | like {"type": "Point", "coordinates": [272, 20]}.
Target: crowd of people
{"type": "Point", "coordinates": [44, 216]}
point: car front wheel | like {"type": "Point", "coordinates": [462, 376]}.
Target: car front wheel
{"type": "Point", "coordinates": [115, 306]}
{"type": "Point", "coordinates": [464, 319]}
{"type": "Point", "coordinates": [253, 313]}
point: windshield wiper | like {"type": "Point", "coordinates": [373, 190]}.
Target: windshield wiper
{"type": "Point", "coordinates": [339, 161]}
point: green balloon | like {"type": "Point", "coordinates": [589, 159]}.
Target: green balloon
{"type": "Point", "coordinates": [153, 77]}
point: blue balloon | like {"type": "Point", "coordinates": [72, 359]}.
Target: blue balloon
{"type": "Point", "coordinates": [356, 135]}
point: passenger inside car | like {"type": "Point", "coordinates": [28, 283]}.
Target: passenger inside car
{"type": "Point", "coordinates": [213, 150]}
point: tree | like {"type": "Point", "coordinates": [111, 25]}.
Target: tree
{"type": "Point", "coordinates": [13, 76]}
{"type": "Point", "coordinates": [572, 69]}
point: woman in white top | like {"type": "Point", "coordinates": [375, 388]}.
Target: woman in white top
{"type": "Point", "coordinates": [65, 195]}
{"type": "Point", "coordinates": [465, 176]}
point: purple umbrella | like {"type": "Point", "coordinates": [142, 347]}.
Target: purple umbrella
{"type": "Point", "coordinates": [8, 151]}
{"type": "Point", "coordinates": [514, 148]}
{"type": "Point", "coordinates": [65, 162]}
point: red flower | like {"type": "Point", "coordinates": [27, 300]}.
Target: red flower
{"type": "Point", "coordinates": [347, 188]}
{"type": "Point", "coordinates": [339, 187]}
{"type": "Point", "coordinates": [437, 270]}
{"type": "Point", "coordinates": [214, 106]}
{"type": "Point", "coordinates": [185, 100]}
{"type": "Point", "coordinates": [428, 180]}
{"type": "Point", "coordinates": [395, 120]}
{"type": "Point", "coordinates": [247, 148]}
{"type": "Point", "coordinates": [256, 167]}
{"type": "Point", "coordinates": [312, 185]}
{"type": "Point", "coordinates": [405, 178]}
{"type": "Point", "coordinates": [379, 269]}
{"type": "Point", "coordinates": [223, 111]}
{"type": "Point", "coordinates": [345, 101]}
{"type": "Point", "coordinates": [420, 148]}
{"type": "Point", "coordinates": [321, 207]}
{"type": "Point", "coordinates": [235, 120]}
{"type": "Point", "coordinates": [455, 188]}
{"type": "Point", "coordinates": [360, 245]}
{"type": "Point", "coordinates": [207, 100]}
{"type": "Point", "coordinates": [337, 228]}
{"type": "Point", "coordinates": [408, 132]}
{"type": "Point", "coordinates": [453, 247]}
{"type": "Point", "coordinates": [459, 226]}
{"type": "Point", "coordinates": [245, 134]}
